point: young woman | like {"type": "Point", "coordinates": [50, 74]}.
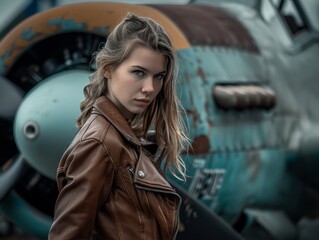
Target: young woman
{"type": "Point", "coordinates": [110, 179]}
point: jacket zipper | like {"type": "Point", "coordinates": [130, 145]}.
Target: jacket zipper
{"type": "Point", "coordinates": [160, 191]}
{"type": "Point", "coordinates": [131, 171]}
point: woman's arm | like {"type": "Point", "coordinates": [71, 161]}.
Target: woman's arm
{"type": "Point", "coordinates": [84, 183]}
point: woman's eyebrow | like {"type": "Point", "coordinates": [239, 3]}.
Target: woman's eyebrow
{"type": "Point", "coordinates": [145, 69]}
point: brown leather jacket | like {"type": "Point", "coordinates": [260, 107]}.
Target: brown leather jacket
{"type": "Point", "coordinates": [109, 188]}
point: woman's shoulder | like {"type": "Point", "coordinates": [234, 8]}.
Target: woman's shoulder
{"type": "Point", "coordinates": [100, 128]}
{"type": "Point", "coordinates": [96, 127]}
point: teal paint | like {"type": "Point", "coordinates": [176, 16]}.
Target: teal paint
{"type": "Point", "coordinates": [49, 110]}
{"type": "Point", "coordinates": [3, 59]}
{"type": "Point", "coordinates": [204, 118]}
{"type": "Point", "coordinates": [25, 216]}
{"type": "Point", "coordinates": [67, 24]}
{"type": "Point", "coordinates": [249, 149]}
{"type": "Point", "coordinates": [73, 25]}
{"type": "Point", "coordinates": [28, 34]}
{"type": "Point", "coordinates": [249, 179]}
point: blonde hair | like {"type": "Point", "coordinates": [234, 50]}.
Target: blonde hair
{"type": "Point", "coordinates": [163, 114]}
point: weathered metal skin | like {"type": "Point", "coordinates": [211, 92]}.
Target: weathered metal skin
{"type": "Point", "coordinates": [209, 26]}
{"type": "Point", "coordinates": [246, 145]}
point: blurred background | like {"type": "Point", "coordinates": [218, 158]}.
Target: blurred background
{"type": "Point", "coordinates": [251, 93]}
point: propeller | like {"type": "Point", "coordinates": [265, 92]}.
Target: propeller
{"type": "Point", "coordinates": [11, 162]}
{"type": "Point", "coordinates": [10, 174]}
{"type": "Point", "coordinates": [10, 98]}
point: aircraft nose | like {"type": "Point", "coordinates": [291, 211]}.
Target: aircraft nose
{"type": "Point", "coordinates": [45, 121]}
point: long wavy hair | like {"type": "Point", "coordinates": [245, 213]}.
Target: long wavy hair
{"type": "Point", "coordinates": [164, 113]}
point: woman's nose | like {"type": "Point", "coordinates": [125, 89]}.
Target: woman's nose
{"type": "Point", "coordinates": [148, 85]}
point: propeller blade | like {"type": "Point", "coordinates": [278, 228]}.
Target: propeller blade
{"type": "Point", "coordinates": [9, 176]}
{"type": "Point", "coordinates": [10, 98]}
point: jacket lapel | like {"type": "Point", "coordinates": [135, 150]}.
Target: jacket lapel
{"type": "Point", "coordinates": [147, 175]}
{"type": "Point", "coordinates": [113, 115]}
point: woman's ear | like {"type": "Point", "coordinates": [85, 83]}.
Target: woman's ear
{"type": "Point", "coordinates": [107, 73]}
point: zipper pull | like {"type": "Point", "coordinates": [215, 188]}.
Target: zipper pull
{"type": "Point", "coordinates": [131, 170]}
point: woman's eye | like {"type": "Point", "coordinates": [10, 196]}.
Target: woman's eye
{"type": "Point", "coordinates": [159, 77]}
{"type": "Point", "coordinates": [138, 73]}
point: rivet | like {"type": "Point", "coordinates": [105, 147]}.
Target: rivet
{"type": "Point", "coordinates": [141, 174]}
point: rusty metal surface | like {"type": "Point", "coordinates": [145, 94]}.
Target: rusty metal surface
{"type": "Point", "coordinates": [206, 25]}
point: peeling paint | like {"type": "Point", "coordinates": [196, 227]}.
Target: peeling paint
{"type": "Point", "coordinates": [67, 24]}
{"type": "Point", "coordinates": [202, 74]}
{"type": "Point", "coordinates": [200, 145]}
{"type": "Point", "coordinates": [28, 34]}
{"type": "Point", "coordinates": [3, 59]}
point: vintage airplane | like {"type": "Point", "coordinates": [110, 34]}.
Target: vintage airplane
{"type": "Point", "coordinates": [248, 84]}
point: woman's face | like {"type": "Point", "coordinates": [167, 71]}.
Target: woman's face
{"type": "Point", "coordinates": [135, 83]}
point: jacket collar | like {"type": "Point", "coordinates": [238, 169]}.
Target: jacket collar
{"type": "Point", "coordinates": [114, 116]}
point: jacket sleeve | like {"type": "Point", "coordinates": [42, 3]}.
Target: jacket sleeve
{"type": "Point", "coordinates": [84, 183]}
